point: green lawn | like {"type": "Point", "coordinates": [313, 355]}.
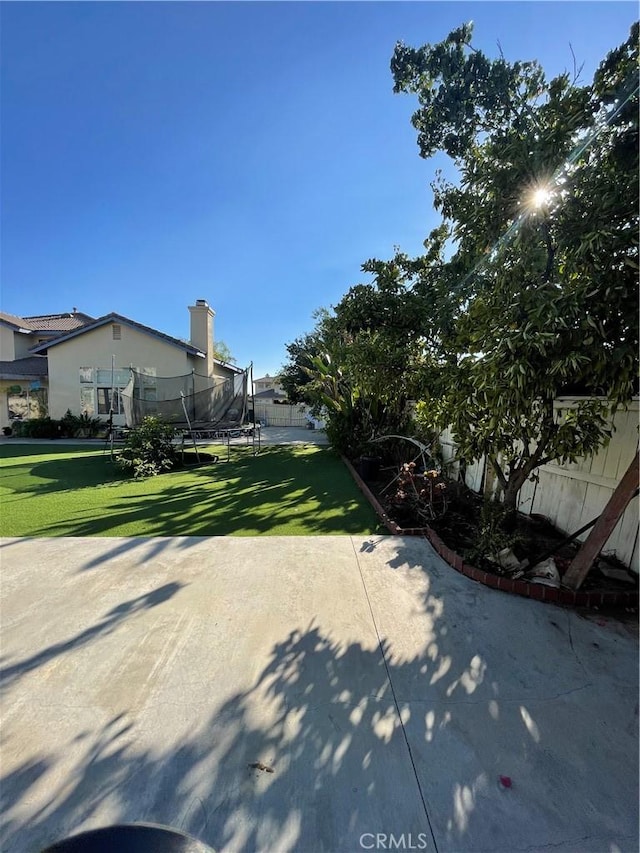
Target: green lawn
{"type": "Point", "coordinates": [51, 490]}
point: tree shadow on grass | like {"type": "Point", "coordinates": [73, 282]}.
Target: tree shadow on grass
{"type": "Point", "coordinates": [283, 489]}
{"type": "Point", "coordinates": [399, 730]}
{"type": "Point", "coordinates": [76, 468]}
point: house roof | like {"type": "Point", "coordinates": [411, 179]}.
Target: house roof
{"type": "Point", "coordinates": [59, 322]}
{"type": "Point", "coordinates": [19, 324]}
{"type": "Point", "coordinates": [24, 368]}
{"type": "Point", "coordinates": [275, 380]}
{"type": "Point", "coordinates": [124, 321]}
{"type": "Point", "coordinates": [270, 394]}
{"type": "Point", "coordinates": [47, 322]}
{"type": "Point", "coordinates": [227, 364]}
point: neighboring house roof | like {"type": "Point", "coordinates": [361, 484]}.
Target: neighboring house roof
{"type": "Point", "coordinates": [273, 380]}
{"type": "Point", "coordinates": [270, 395]}
{"type": "Point", "coordinates": [24, 368]}
{"type": "Point", "coordinates": [46, 322]}
{"type": "Point", "coordinates": [124, 321]}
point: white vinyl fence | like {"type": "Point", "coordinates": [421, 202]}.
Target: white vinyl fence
{"type": "Point", "coordinates": [280, 414]}
{"type": "Point", "coordinates": [571, 495]}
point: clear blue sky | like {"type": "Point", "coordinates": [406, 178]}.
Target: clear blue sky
{"type": "Point", "coordinates": [252, 154]}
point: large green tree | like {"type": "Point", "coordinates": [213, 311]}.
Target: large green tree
{"type": "Point", "coordinates": [544, 224]}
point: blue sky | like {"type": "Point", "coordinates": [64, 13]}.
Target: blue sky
{"type": "Point", "coordinates": [252, 154]}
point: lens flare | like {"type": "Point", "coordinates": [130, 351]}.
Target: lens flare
{"type": "Point", "coordinates": [540, 197]}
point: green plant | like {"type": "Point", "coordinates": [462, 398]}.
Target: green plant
{"type": "Point", "coordinates": [543, 219]}
{"type": "Point", "coordinates": [40, 428]}
{"type": "Point", "coordinates": [89, 427]}
{"type": "Point", "coordinates": [149, 449]}
{"type": "Point", "coordinates": [491, 537]}
{"type": "Point", "coordinates": [68, 424]}
{"type": "Point", "coordinates": [79, 426]}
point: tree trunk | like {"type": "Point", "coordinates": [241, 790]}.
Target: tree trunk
{"type": "Point", "coordinates": [510, 504]}
{"type": "Point", "coordinates": [511, 495]}
{"type": "Point", "coordinates": [510, 500]}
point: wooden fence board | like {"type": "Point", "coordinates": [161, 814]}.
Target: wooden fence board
{"type": "Point", "coordinates": [572, 495]}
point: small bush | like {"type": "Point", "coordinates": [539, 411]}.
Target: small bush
{"type": "Point", "coordinates": [80, 426]}
{"type": "Point", "coordinates": [492, 535]}
{"type": "Point", "coordinates": [89, 427]}
{"type": "Point", "coordinates": [148, 449]}
{"type": "Point", "coordinates": [68, 425]}
{"type": "Point", "coordinates": [39, 428]}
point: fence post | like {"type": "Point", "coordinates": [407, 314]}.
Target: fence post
{"type": "Point", "coordinates": [596, 540]}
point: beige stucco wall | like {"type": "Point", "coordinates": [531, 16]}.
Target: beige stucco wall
{"type": "Point", "coordinates": [7, 346]}
{"type": "Point", "coordinates": [23, 343]}
{"type": "Point", "coordinates": [95, 349]}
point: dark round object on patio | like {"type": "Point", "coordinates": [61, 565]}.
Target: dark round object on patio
{"type": "Point", "coordinates": [130, 838]}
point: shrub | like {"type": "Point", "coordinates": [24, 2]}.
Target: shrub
{"type": "Point", "coordinates": [80, 426]}
{"type": "Point", "coordinates": [89, 427]}
{"type": "Point", "coordinates": [148, 449]}
{"type": "Point", "coordinates": [39, 428]}
{"type": "Point", "coordinates": [492, 535]}
{"type": "Point", "coordinates": [68, 425]}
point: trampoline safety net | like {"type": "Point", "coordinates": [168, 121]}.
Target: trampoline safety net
{"type": "Point", "coordinates": [208, 401]}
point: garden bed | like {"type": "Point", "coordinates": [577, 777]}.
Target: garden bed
{"type": "Point", "coordinates": [464, 534]}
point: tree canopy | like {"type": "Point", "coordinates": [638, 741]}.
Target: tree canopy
{"type": "Point", "coordinates": [222, 352]}
{"type": "Point", "coordinates": [527, 291]}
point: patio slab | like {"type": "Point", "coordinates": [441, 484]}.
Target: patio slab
{"type": "Point", "coordinates": [163, 680]}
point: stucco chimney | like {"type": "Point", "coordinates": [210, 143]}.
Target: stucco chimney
{"type": "Point", "coordinates": [202, 331]}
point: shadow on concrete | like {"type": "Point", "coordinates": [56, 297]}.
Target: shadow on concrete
{"type": "Point", "coordinates": [107, 625]}
{"type": "Point", "coordinates": [359, 740]}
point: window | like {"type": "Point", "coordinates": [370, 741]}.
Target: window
{"type": "Point", "coordinates": [24, 405]}
{"type": "Point", "coordinates": [96, 386]}
{"type": "Point", "coordinates": [118, 378]}
{"type": "Point", "coordinates": [105, 401]}
{"type": "Point", "coordinates": [87, 400]}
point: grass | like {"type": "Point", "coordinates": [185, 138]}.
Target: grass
{"type": "Point", "coordinates": [78, 491]}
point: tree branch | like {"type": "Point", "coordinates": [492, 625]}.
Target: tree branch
{"type": "Point", "coordinates": [551, 252]}
{"type": "Point", "coordinates": [499, 473]}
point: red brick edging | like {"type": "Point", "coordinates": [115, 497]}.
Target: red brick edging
{"type": "Point", "coordinates": [539, 592]}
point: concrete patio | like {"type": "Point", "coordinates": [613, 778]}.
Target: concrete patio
{"type": "Point", "coordinates": [386, 693]}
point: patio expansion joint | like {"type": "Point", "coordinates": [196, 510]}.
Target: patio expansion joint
{"type": "Point", "coordinates": [395, 700]}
